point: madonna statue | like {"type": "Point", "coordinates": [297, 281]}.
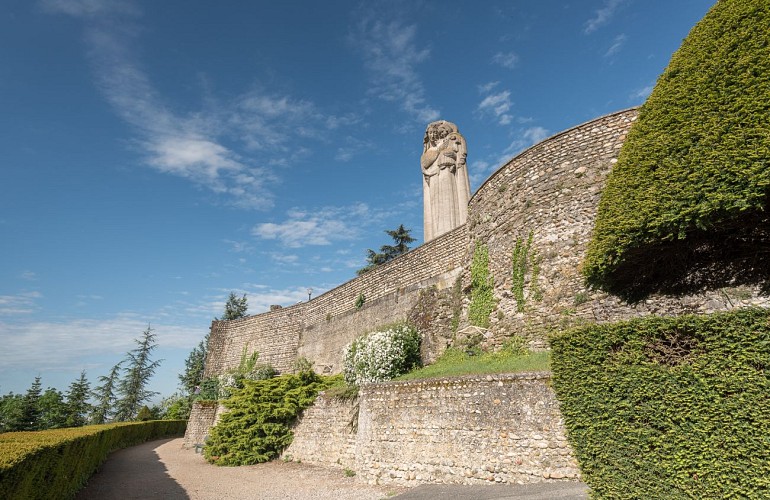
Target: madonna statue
{"type": "Point", "coordinates": [445, 183]}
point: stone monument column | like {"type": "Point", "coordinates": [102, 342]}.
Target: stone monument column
{"type": "Point", "coordinates": [446, 189]}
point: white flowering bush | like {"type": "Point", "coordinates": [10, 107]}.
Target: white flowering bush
{"type": "Point", "coordinates": [382, 355]}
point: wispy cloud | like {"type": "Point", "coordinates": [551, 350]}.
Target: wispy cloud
{"type": "Point", "coordinates": [506, 59]}
{"type": "Point", "coordinates": [641, 94]}
{"type": "Point", "coordinates": [497, 105]}
{"type": "Point", "coordinates": [320, 227]}
{"type": "Point", "coordinates": [19, 304]}
{"type": "Point", "coordinates": [352, 148]}
{"type": "Point", "coordinates": [602, 16]}
{"type": "Point", "coordinates": [392, 56]}
{"type": "Point", "coordinates": [198, 146]}
{"type": "Point", "coordinates": [69, 343]}
{"type": "Point", "coordinates": [617, 45]}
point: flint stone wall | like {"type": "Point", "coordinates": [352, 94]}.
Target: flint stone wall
{"type": "Point", "coordinates": [463, 430]}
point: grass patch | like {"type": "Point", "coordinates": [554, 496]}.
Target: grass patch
{"type": "Point", "coordinates": [456, 362]}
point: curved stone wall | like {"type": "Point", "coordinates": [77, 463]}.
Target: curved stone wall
{"type": "Point", "coordinates": [320, 328]}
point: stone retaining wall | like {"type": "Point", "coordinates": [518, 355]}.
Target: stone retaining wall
{"type": "Point", "coordinates": [202, 418]}
{"type": "Point", "coordinates": [464, 430]}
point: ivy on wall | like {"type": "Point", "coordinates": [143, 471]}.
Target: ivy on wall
{"type": "Point", "coordinates": [669, 407]}
{"type": "Point", "coordinates": [482, 288]}
{"type": "Point", "coordinates": [525, 269]}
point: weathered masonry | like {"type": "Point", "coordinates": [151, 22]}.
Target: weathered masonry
{"type": "Point", "coordinates": [542, 205]}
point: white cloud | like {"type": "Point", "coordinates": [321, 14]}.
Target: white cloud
{"type": "Point", "coordinates": [28, 276]}
{"type": "Point", "coordinates": [487, 87]}
{"type": "Point", "coordinates": [64, 345]}
{"type": "Point", "coordinates": [21, 303]}
{"type": "Point", "coordinates": [391, 55]}
{"type": "Point", "coordinates": [320, 227]}
{"type": "Point", "coordinates": [602, 16]}
{"type": "Point", "coordinates": [506, 59]}
{"type": "Point", "coordinates": [642, 94]}
{"type": "Point", "coordinates": [617, 45]}
{"type": "Point", "coordinates": [197, 146]}
{"type": "Point", "coordinates": [536, 134]}
{"type": "Point", "coordinates": [498, 105]}
{"type": "Point", "coordinates": [87, 8]}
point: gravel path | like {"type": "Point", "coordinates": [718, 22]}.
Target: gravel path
{"type": "Point", "coordinates": [163, 470]}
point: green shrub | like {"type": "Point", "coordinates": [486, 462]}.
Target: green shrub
{"type": "Point", "coordinates": [56, 463]}
{"type": "Point", "coordinates": [669, 407]}
{"type": "Point", "coordinates": [382, 355]}
{"type": "Point", "coordinates": [257, 426]}
{"type": "Point", "coordinates": [685, 207]}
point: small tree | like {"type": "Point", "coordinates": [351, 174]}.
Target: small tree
{"type": "Point", "coordinates": [132, 388]}
{"type": "Point", "coordinates": [235, 307]}
{"type": "Point", "coordinates": [105, 396]}
{"type": "Point", "coordinates": [11, 412]}
{"type": "Point", "coordinates": [77, 405]}
{"type": "Point", "coordinates": [401, 240]}
{"type": "Point", "coordinates": [53, 410]}
{"type": "Point", "coordinates": [192, 377]}
{"type": "Point", "coordinates": [30, 408]}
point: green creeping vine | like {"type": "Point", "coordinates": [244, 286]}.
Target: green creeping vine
{"type": "Point", "coordinates": [482, 288]}
{"type": "Point", "coordinates": [525, 260]}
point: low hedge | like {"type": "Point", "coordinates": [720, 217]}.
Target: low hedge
{"type": "Point", "coordinates": [669, 407]}
{"type": "Point", "coordinates": [56, 463]}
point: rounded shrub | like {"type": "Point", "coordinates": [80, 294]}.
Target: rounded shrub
{"type": "Point", "coordinates": [382, 355]}
{"type": "Point", "coordinates": [685, 207]}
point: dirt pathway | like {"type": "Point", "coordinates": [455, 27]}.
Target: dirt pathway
{"type": "Point", "coordinates": [163, 470]}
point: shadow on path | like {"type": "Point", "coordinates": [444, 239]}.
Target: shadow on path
{"type": "Point", "coordinates": [133, 473]}
{"type": "Point", "coordinates": [564, 490]}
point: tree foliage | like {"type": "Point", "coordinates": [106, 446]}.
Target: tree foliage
{"type": "Point", "coordinates": [685, 207]}
{"type": "Point", "coordinates": [77, 403]}
{"type": "Point", "coordinates": [106, 396]}
{"type": "Point", "coordinates": [137, 373]}
{"type": "Point", "coordinates": [30, 407]}
{"type": "Point", "coordinates": [192, 377]}
{"type": "Point", "coordinates": [401, 239]}
{"type": "Point", "coordinates": [235, 307]}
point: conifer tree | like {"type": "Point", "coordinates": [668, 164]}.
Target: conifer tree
{"type": "Point", "coordinates": [105, 396]}
{"type": "Point", "coordinates": [401, 240]}
{"type": "Point", "coordinates": [192, 377]}
{"type": "Point", "coordinates": [235, 307]}
{"type": "Point", "coordinates": [140, 368]}
{"type": "Point", "coordinates": [30, 408]}
{"type": "Point", "coordinates": [77, 404]}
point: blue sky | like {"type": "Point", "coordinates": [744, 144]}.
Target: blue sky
{"type": "Point", "coordinates": [157, 155]}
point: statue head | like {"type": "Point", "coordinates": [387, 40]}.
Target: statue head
{"type": "Point", "coordinates": [437, 131]}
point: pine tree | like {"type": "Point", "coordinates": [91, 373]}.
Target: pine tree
{"type": "Point", "coordinates": [30, 409]}
{"type": "Point", "coordinates": [235, 307]}
{"type": "Point", "coordinates": [132, 387]}
{"type": "Point", "coordinates": [193, 373]}
{"type": "Point", "coordinates": [401, 240]}
{"type": "Point", "coordinates": [77, 405]}
{"type": "Point", "coordinates": [105, 396]}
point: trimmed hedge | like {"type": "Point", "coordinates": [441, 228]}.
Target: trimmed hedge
{"type": "Point", "coordinates": [669, 407]}
{"type": "Point", "coordinates": [685, 207]}
{"type": "Point", "coordinates": [57, 463]}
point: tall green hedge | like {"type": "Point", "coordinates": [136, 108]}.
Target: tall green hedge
{"type": "Point", "coordinates": [685, 207]}
{"type": "Point", "coordinates": [669, 407]}
{"type": "Point", "coordinates": [56, 463]}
